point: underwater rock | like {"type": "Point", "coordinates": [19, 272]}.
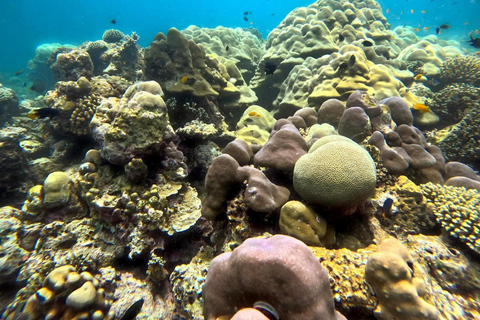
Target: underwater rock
{"type": "Point", "coordinates": [278, 260]}
{"type": "Point", "coordinates": [389, 272]}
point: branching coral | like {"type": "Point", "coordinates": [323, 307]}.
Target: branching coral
{"type": "Point", "coordinates": [461, 69]}
{"type": "Point", "coordinates": [453, 102]}
{"type": "Point", "coordinates": [457, 210]}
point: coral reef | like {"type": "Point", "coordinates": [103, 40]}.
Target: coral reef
{"type": "Point", "coordinates": [161, 185]}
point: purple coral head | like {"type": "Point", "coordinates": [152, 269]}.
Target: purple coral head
{"type": "Point", "coordinates": [280, 270]}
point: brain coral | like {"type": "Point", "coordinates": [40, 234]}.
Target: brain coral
{"type": "Point", "coordinates": [335, 172]}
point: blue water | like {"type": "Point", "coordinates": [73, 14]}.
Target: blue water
{"type": "Point", "coordinates": [25, 24]}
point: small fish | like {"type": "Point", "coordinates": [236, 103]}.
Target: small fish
{"type": "Point", "coordinates": [426, 28]}
{"type": "Point", "coordinates": [184, 79]}
{"type": "Point", "coordinates": [270, 67]}
{"type": "Point", "coordinates": [421, 107]}
{"type": "Point", "coordinates": [412, 11]}
{"type": "Point", "coordinates": [367, 43]}
{"type": "Point", "coordinates": [245, 18]}
{"type": "Point", "coordinates": [25, 84]}
{"type": "Point", "coordinates": [227, 48]}
{"type": "Point", "coordinates": [445, 26]}
{"type": "Point", "coordinates": [416, 29]}
{"type": "Point", "coordinates": [37, 86]}
{"type": "Point", "coordinates": [342, 66]}
{"type": "Point", "coordinates": [247, 13]}
{"type": "Point", "coordinates": [253, 114]}
{"type": "Point", "coordinates": [401, 12]}
{"type": "Point", "coordinates": [466, 23]}
{"type": "Point", "coordinates": [424, 11]}
{"type": "Point", "coordinates": [351, 61]}
{"type": "Point", "coordinates": [418, 77]}
{"type": "Point", "coordinates": [341, 37]}
{"type": "Point", "coordinates": [474, 42]}
{"type": "Point", "coordinates": [132, 312]}
{"type": "Point", "coordinates": [387, 206]}
{"type": "Point", "coordinates": [19, 72]}
{"type": "Point", "coordinates": [388, 10]}
{"type": "Point", "coordinates": [113, 21]}
{"type": "Point", "coordinates": [438, 31]}
{"type": "Point", "coordinates": [251, 23]}
{"type": "Point", "coordinates": [43, 113]}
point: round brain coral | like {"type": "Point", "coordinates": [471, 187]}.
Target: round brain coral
{"type": "Point", "coordinates": [112, 36]}
{"type": "Point", "coordinates": [336, 172]}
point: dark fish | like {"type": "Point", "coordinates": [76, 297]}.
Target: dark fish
{"type": "Point", "coordinates": [341, 37]}
{"type": "Point", "coordinates": [445, 26]}
{"type": "Point", "coordinates": [246, 13]}
{"type": "Point", "coordinates": [342, 66]}
{"type": "Point", "coordinates": [367, 43]}
{"type": "Point", "coordinates": [351, 61]}
{"type": "Point", "coordinates": [19, 72]}
{"type": "Point", "coordinates": [270, 67]}
{"type": "Point", "coordinates": [437, 30]}
{"type": "Point", "coordinates": [245, 18]}
{"type": "Point", "coordinates": [474, 42]}
{"type": "Point", "coordinates": [24, 84]}
{"type": "Point", "coordinates": [133, 311]}
{"type": "Point", "coordinates": [387, 206]}
{"type": "Point", "coordinates": [227, 48]}
{"type": "Point", "coordinates": [43, 113]}
{"type": "Point", "coordinates": [113, 21]}
{"type": "Point", "coordinates": [37, 86]}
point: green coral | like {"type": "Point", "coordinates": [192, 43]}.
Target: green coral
{"type": "Point", "coordinates": [461, 69]}
{"type": "Point", "coordinates": [463, 141]}
{"type": "Point", "coordinates": [457, 210]}
{"type": "Point", "coordinates": [453, 102]}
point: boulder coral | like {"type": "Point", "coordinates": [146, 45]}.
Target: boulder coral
{"type": "Point", "coordinates": [336, 172]}
{"type": "Point", "coordinates": [287, 276]}
{"type": "Point", "coordinates": [390, 273]}
{"type": "Point", "coordinates": [68, 293]}
{"type": "Point", "coordinates": [301, 222]}
{"type": "Point", "coordinates": [225, 175]}
{"type": "Point", "coordinates": [327, 51]}
{"type": "Point", "coordinates": [133, 126]}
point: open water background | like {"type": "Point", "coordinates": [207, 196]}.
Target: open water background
{"type": "Point", "coordinates": [25, 24]}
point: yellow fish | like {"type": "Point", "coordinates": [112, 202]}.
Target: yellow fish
{"type": "Point", "coordinates": [184, 79]}
{"type": "Point", "coordinates": [418, 77]}
{"type": "Point", "coordinates": [424, 11]}
{"type": "Point", "coordinates": [421, 107]}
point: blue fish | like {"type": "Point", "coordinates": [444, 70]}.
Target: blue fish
{"type": "Point", "coordinates": [387, 206]}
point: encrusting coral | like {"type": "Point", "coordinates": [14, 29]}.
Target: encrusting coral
{"type": "Point", "coordinates": [390, 273]}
